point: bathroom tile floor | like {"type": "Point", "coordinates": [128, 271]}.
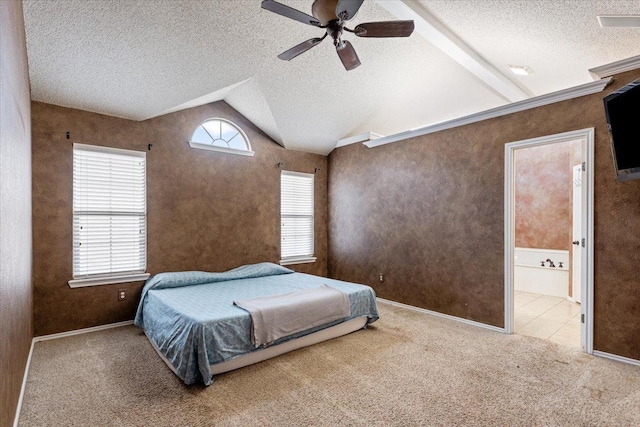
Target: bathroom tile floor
{"type": "Point", "coordinates": [543, 316]}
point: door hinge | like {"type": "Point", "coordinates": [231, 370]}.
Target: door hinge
{"type": "Point", "coordinates": [582, 318]}
{"type": "Point", "coordinates": [584, 242]}
{"type": "Point", "coordinates": [584, 166]}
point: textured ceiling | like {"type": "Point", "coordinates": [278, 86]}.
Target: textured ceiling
{"type": "Point", "coordinates": [141, 59]}
{"type": "Point", "coordinates": [559, 40]}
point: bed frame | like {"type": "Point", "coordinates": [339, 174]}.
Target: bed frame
{"type": "Point", "coordinates": [276, 350]}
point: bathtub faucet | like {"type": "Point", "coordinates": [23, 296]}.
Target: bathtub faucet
{"type": "Point", "coordinates": [551, 264]}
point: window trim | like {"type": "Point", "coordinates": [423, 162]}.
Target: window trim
{"type": "Point", "coordinates": [108, 280]}
{"type": "Point", "coordinates": [111, 278]}
{"type": "Point", "coordinates": [248, 152]}
{"type": "Point", "coordinates": [299, 259]}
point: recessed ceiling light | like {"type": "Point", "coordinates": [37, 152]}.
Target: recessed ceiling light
{"type": "Point", "coordinates": [619, 20]}
{"type": "Point", "coordinates": [521, 70]}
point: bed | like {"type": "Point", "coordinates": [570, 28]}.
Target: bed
{"type": "Point", "coordinates": [192, 322]}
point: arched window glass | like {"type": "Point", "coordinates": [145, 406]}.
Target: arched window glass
{"type": "Point", "coordinates": [221, 135]}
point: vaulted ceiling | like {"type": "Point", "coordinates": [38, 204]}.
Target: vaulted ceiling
{"type": "Point", "coordinates": [141, 59]}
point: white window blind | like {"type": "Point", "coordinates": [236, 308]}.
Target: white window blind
{"type": "Point", "coordinates": [296, 213]}
{"type": "Point", "coordinates": [109, 211]}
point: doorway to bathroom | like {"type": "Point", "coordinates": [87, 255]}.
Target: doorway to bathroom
{"type": "Point", "coordinates": [549, 238]}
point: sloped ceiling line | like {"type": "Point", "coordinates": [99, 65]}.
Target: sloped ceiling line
{"type": "Point", "coordinates": [208, 98]}
{"type": "Point", "coordinates": [247, 98]}
{"type": "Point", "coordinates": [434, 31]}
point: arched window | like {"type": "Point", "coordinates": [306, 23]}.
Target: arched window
{"type": "Point", "coordinates": [221, 135]}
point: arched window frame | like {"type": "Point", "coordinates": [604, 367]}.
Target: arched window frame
{"type": "Point", "coordinates": [247, 152]}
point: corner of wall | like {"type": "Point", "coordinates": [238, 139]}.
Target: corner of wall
{"type": "Point", "coordinates": [16, 278]}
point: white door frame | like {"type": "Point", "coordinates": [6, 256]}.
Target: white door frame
{"type": "Point", "coordinates": [576, 233]}
{"type": "Point", "coordinates": [587, 226]}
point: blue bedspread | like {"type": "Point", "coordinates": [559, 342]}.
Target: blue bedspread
{"type": "Point", "coordinates": [191, 319]}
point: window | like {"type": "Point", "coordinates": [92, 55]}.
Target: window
{"type": "Point", "coordinates": [296, 217]}
{"type": "Point", "coordinates": [109, 216]}
{"type": "Point", "coordinates": [221, 135]}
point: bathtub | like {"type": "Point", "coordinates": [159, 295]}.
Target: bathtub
{"type": "Point", "coordinates": [531, 276]}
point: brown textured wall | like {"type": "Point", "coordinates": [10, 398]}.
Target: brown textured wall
{"type": "Point", "coordinates": [428, 213]}
{"type": "Point", "coordinates": [206, 210]}
{"type": "Point", "coordinates": [16, 310]}
{"type": "Point", "coordinates": [543, 211]}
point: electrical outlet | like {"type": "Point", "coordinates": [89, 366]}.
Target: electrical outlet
{"type": "Point", "coordinates": [122, 294]}
{"type": "Point", "coordinates": [381, 277]}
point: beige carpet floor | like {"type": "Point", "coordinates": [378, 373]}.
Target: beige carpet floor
{"type": "Point", "coordinates": [407, 369]}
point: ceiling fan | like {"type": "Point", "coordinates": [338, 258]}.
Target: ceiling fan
{"type": "Point", "coordinates": [332, 16]}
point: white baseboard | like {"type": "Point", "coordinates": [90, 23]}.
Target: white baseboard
{"type": "Point", "coordinates": [382, 300]}
{"type": "Point", "coordinates": [617, 358]}
{"type": "Point", "coordinates": [82, 331]}
{"type": "Point", "coordinates": [16, 418]}
{"type": "Point", "coordinates": [444, 316]}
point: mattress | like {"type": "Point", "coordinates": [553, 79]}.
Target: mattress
{"type": "Point", "coordinates": [191, 320]}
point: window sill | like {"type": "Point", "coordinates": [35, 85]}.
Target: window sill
{"type": "Point", "coordinates": [220, 149]}
{"type": "Point", "coordinates": [291, 261]}
{"type": "Point", "coordinates": [95, 281]}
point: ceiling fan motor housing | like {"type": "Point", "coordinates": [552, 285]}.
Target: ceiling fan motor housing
{"type": "Point", "coordinates": [334, 30]}
{"type": "Point", "coordinates": [332, 15]}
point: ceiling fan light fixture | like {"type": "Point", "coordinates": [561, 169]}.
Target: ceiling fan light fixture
{"type": "Point", "coordinates": [520, 70]}
{"type": "Point", "coordinates": [619, 21]}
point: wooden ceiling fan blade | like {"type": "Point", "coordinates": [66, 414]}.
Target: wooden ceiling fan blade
{"type": "Point", "coordinates": [347, 9]}
{"type": "Point", "coordinates": [348, 55]}
{"type": "Point", "coordinates": [385, 29]}
{"type": "Point", "coordinates": [299, 49]}
{"type": "Point", "coordinates": [289, 12]}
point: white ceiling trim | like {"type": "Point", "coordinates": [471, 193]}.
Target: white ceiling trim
{"type": "Point", "coordinates": [617, 67]}
{"type": "Point", "coordinates": [619, 21]}
{"type": "Point", "coordinates": [368, 136]}
{"type": "Point", "coordinates": [434, 31]}
{"type": "Point", "coordinates": [527, 104]}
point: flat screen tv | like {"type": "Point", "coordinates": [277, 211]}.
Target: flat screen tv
{"type": "Point", "coordinates": [622, 108]}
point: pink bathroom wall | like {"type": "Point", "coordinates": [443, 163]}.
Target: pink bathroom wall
{"type": "Point", "coordinates": [543, 194]}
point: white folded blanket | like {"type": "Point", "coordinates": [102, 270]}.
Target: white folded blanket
{"type": "Point", "coordinates": [276, 316]}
